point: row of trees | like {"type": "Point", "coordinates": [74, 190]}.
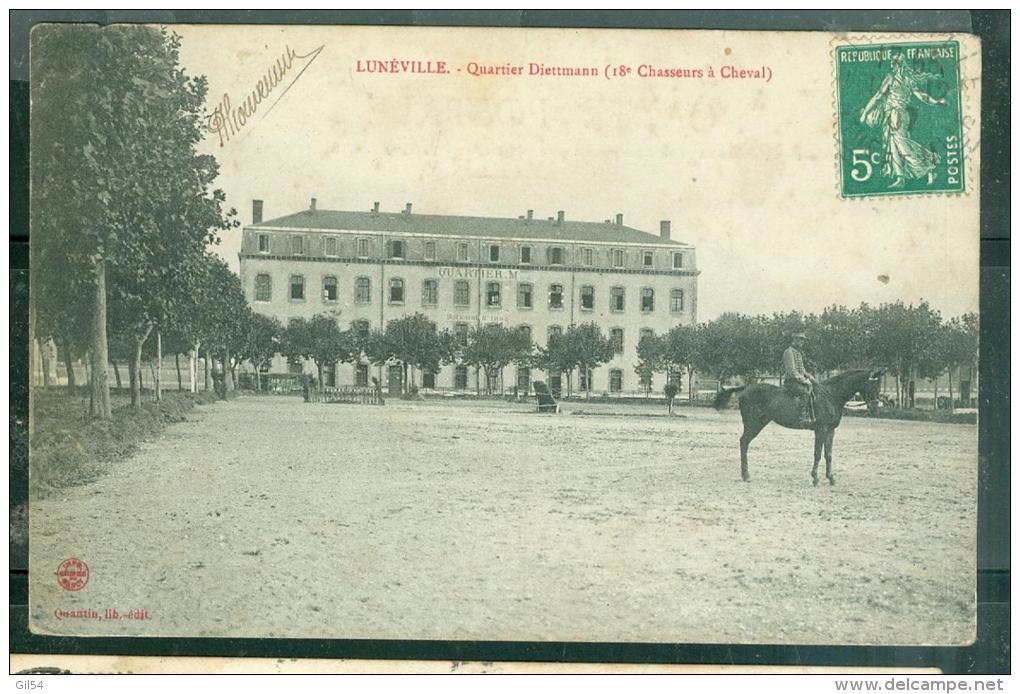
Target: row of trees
{"type": "Point", "coordinates": [909, 341]}
{"type": "Point", "coordinates": [123, 210]}
{"type": "Point", "coordinates": [415, 343]}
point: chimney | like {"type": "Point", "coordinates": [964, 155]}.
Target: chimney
{"type": "Point", "coordinates": [256, 211]}
{"type": "Point", "coordinates": [375, 208]}
{"type": "Point", "coordinates": [407, 208]}
{"type": "Point", "coordinates": [619, 219]}
{"type": "Point", "coordinates": [559, 216]}
{"type": "Point", "coordinates": [530, 214]}
{"type": "Point", "coordinates": [312, 205]}
{"type": "Point", "coordinates": [664, 229]}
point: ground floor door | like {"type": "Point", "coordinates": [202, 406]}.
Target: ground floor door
{"type": "Point", "coordinates": [395, 377]}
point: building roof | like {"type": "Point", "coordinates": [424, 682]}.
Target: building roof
{"type": "Point", "coordinates": [449, 225]}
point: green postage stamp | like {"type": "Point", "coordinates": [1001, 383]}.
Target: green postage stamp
{"type": "Point", "coordinates": [899, 118]}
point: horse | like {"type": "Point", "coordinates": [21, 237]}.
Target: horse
{"type": "Point", "coordinates": [761, 403]}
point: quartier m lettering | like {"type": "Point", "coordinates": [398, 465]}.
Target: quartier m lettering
{"type": "Point", "coordinates": [227, 121]}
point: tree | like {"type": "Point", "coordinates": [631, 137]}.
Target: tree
{"type": "Point", "coordinates": [960, 347]}
{"type": "Point", "coordinates": [224, 316]}
{"type": "Point", "coordinates": [651, 358]}
{"type": "Point", "coordinates": [319, 339]}
{"type": "Point", "coordinates": [415, 343]}
{"type": "Point", "coordinates": [262, 340]}
{"type": "Point", "coordinates": [118, 192]}
{"type": "Point", "coordinates": [678, 352]}
{"type": "Point", "coordinates": [734, 345]}
{"type": "Point", "coordinates": [589, 348]}
{"type": "Point", "coordinates": [900, 337]}
{"type": "Point", "coordinates": [491, 347]}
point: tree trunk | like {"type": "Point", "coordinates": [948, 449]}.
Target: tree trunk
{"type": "Point", "coordinates": [116, 374]}
{"type": "Point", "coordinates": [193, 369]}
{"type": "Point", "coordinates": [690, 385]}
{"type": "Point", "coordinates": [228, 377]}
{"type": "Point", "coordinates": [44, 358]}
{"type": "Point", "coordinates": [69, 365]}
{"type": "Point", "coordinates": [208, 365]}
{"type": "Point", "coordinates": [136, 369]}
{"type": "Point", "coordinates": [935, 398]}
{"type": "Point", "coordinates": [318, 370]}
{"type": "Point", "coordinates": [952, 403]}
{"type": "Point", "coordinates": [177, 365]}
{"type": "Point", "coordinates": [158, 375]}
{"type": "Point", "coordinates": [99, 349]}
{"type": "Point", "coordinates": [258, 378]}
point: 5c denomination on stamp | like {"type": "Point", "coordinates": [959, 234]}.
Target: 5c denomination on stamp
{"type": "Point", "coordinates": [899, 119]}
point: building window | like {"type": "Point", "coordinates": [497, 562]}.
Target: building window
{"type": "Point", "coordinates": [556, 296]}
{"type": "Point", "coordinates": [494, 253]}
{"type": "Point", "coordinates": [460, 377]}
{"type": "Point", "coordinates": [525, 255]}
{"type": "Point", "coordinates": [297, 245]}
{"type": "Point", "coordinates": [428, 379]}
{"type": "Point", "coordinates": [330, 291]}
{"type": "Point", "coordinates": [396, 249]}
{"type": "Point", "coordinates": [678, 261]}
{"type": "Point", "coordinates": [329, 245]}
{"type": "Point", "coordinates": [362, 248]}
{"type": "Point", "coordinates": [587, 298]}
{"type": "Point", "coordinates": [263, 288]}
{"type": "Point", "coordinates": [615, 380]}
{"type": "Point", "coordinates": [526, 331]}
{"type": "Point", "coordinates": [647, 300]}
{"type": "Point", "coordinates": [616, 337]}
{"type": "Point", "coordinates": [361, 375]}
{"type": "Point", "coordinates": [460, 331]}
{"type": "Point", "coordinates": [430, 250]}
{"type": "Point", "coordinates": [586, 379]}
{"type": "Point", "coordinates": [492, 293]}
{"type": "Point", "coordinates": [360, 328]}
{"type": "Point", "coordinates": [645, 332]}
{"type": "Point", "coordinates": [587, 256]}
{"type": "Point", "coordinates": [553, 331]}
{"type": "Point", "coordinates": [297, 288]}
{"type": "Point", "coordinates": [618, 257]}
{"type": "Point", "coordinates": [523, 380]}
{"type": "Point", "coordinates": [555, 254]}
{"type": "Point", "coordinates": [524, 295]}
{"type": "Point", "coordinates": [396, 291]}
{"type": "Point", "coordinates": [462, 293]}
{"type": "Point", "coordinates": [616, 296]}
{"type": "Point", "coordinates": [647, 258]}
{"type": "Point", "coordinates": [362, 290]}
{"type": "Point", "coordinates": [646, 381]}
{"type": "Point", "coordinates": [676, 300]}
{"type": "Point", "coordinates": [263, 243]}
{"type": "Point", "coordinates": [430, 292]}
{"type": "Point", "coordinates": [462, 252]}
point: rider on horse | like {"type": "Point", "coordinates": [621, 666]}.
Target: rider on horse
{"type": "Point", "coordinates": [797, 381]}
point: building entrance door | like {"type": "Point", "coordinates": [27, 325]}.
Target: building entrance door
{"type": "Point", "coordinates": [395, 376]}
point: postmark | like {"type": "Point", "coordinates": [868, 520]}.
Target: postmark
{"type": "Point", "coordinates": [72, 574]}
{"type": "Point", "coordinates": [899, 121]}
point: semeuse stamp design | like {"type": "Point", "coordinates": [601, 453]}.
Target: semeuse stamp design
{"type": "Point", "coordinates": [72, 574]}
{"type": "Point", "coordinates": [899, 119]}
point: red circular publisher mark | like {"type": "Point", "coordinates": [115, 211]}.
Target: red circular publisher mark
{"type": "Point", "coordinates": [72, 574]}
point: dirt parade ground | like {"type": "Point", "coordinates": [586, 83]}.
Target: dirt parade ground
{"type": "Point", "coordinates": [265, 517]}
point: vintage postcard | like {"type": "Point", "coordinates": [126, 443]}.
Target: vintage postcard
{"type": "Point", "coordinates": [504, 334]}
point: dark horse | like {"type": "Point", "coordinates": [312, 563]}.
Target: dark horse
{"type": "Point", "coordinates": [761, 403]}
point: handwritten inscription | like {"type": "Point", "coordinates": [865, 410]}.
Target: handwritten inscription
{"type": "Point", "coordinates": [228, 121]}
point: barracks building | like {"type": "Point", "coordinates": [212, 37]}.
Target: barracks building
{"type": "Point", "coordinates": [367, 268]}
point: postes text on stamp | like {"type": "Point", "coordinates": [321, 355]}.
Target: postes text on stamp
{"type": "Point", "coordinates": [899, 119]}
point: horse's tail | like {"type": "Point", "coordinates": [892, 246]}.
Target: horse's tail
{"type": "Point", "coordinates": [724, 395]}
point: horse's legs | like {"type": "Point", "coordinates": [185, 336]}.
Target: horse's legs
{"type": "Point", "coordinates": [751, 429]}
{"type": "Point", "coordinates": [819, 441]}
{"type": "Point", "coordinates": [828, 456]}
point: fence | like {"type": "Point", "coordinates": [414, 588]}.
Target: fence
{"type": "Point", "coordinates": [354, 395]}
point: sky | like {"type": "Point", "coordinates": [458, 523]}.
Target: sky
{"type": "Point", "coordinates": [745, 169]}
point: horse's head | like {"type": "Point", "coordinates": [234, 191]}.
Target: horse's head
{"type": "Point", "coordinates": [870, 386]}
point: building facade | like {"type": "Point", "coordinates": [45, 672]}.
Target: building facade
{"type": "Point", "coordinates": [367, 268]}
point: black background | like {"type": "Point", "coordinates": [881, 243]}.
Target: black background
{"type": "Point", "coordinates": [990, 654]}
